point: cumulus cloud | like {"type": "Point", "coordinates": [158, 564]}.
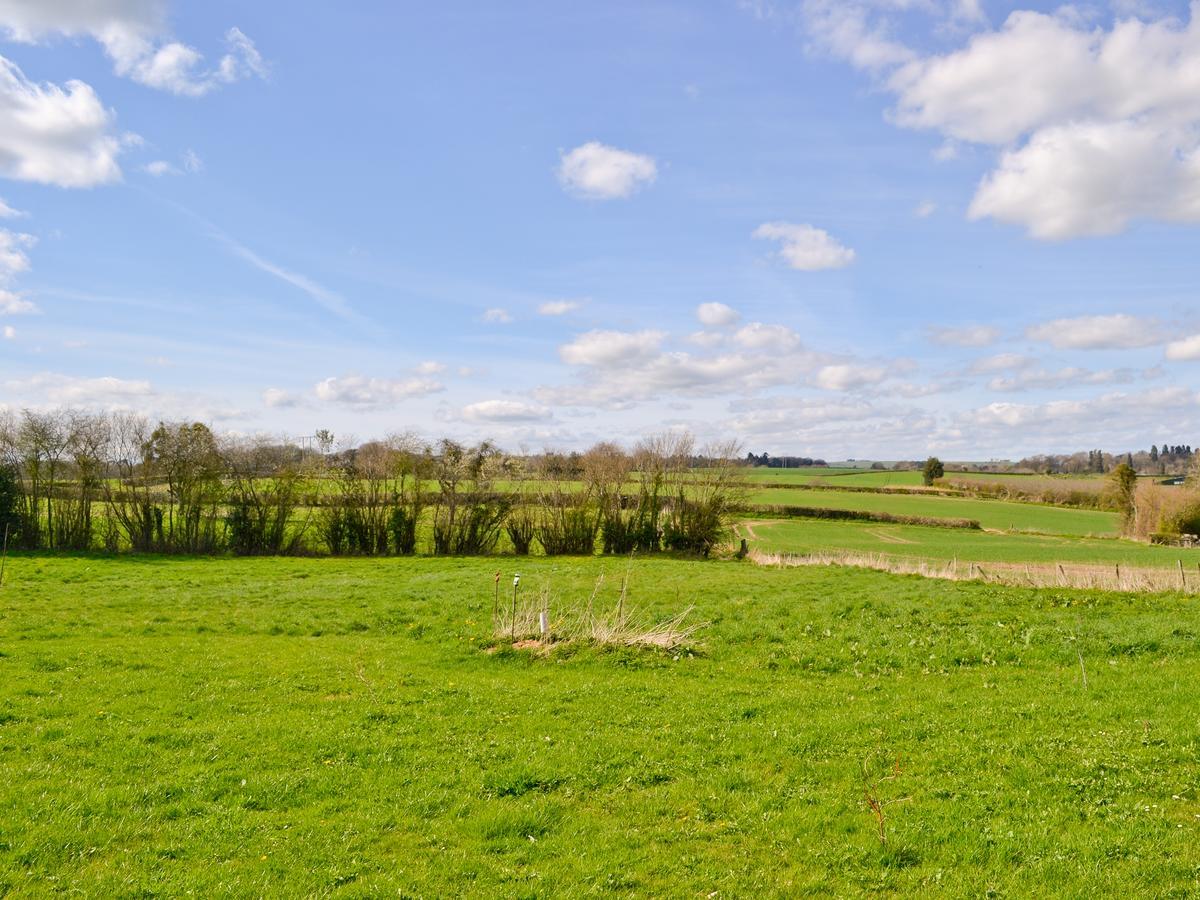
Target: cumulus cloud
{"type": "Point", "coordinates": [505, 411]}
{"type": "Point", "coordinates": [804, 247]}
{"type": "Point", "coordinates": [12, 304]}
{"type": "Point", "coordinates": [600, 172]}
{"type": "Point", "coordinates": [716, 315]}
{"type": "Point", "coordinates": [1140, 411]}
{"type": "Point", "coordinates": [135, 37]}
{"type": "Point", "coordinates": [609, 348]}
{"type": "Point", "coordinates": [277, 398]}
{"type": "Point", "coordinates": [55, 135]}
{"type": "Point", "coordinates": [13, 261]}
{"type": "Point", "coordinates": [619, 369]}
{"type": "Point", "coordinates": [1187, 348]}
{"type": "Point", "coordinates": [1071, 376]}
{"type": "Point", "coordinates": [373, 393]}
{"type": "Point", "coordinates": [68, 390]}
{"type": "Point", "coordinates": [965, 336]}
{"type": "Point", "coordinates": [559, 307]}
{"type": "Point", "coordinates": [1117, 332]}
{"type": "Point", "coordinates": [159, 167]}
{"type": "Point", "coordinates": [849, 376]}
{"type": "Point", "coordinates": [1096, 127]}
{"type": "Point", "coordinates": [760, 336]}
{"type": "Point", "coordinates": [1000, 362]}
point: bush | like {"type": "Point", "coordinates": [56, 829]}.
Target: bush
{"type": "Point", "coordinates": [521, 527]}
{"type": "Point", "coordinates": [403, 525]}
{"type": "Point", "coordinates": [10, 503]}
{"type": "Point", "coordinates": [569, 530]}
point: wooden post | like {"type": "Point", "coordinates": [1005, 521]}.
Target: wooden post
{"type": "Point", "coordinates": [4, 554]}
{"type": "Point", "coordinates": [1062, 575]}
{"type": "Point", "coordinates": [1118, 576]}
{"type": "Point", "coordinates": [516, 584]}
{"type": "Point", "coordinates": [1182, 577]}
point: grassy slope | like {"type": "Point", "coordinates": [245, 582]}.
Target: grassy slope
{"type": "Point", "coordinates": [286, 727]}
{"type": "Point", "coordinates": [807, 536]}
{"type": "Point", "coordinates": [990, 513]}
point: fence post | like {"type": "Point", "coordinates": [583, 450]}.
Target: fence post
{"type": "Point", "coordinates": [1182, 577]}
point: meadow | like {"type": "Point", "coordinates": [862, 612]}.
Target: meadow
{"type": "Point", "coordinates": [995, 514]}
{"type": "Point", "coordinates": [339, 727]}
{"type": "Point", "coordinates": [783, 535]}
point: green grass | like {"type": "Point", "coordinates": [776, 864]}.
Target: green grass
{"type": "Point", "coordinates": [998, 514]}
{"type": "Point", "coordinates": [852, 477]}
{"type": "Point", "coordinates": [287, 727]}
{"type": "Point", "coordinates": [812, 535]}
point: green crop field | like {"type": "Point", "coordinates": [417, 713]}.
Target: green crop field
{"type": "Point", "coordinates": [812, 536]}
{"type": "Point", "coordinates": [851, 477]}
{"type": "Point", "coordinates": [997, 514]}
{"type": "Point", "coordinates": [334, 727]}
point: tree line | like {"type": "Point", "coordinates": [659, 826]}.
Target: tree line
{"type": "Point", "coordinates": [73, 480]}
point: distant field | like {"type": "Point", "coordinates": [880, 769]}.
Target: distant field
{"type": "Point", "coordinates": [996, 514]}
{"type": "Point", "coordinates": [334, 728]}
{"type": "Point", "coordinates": [808, 536]}
{"type": "Point", "coordinates": [852, 477]}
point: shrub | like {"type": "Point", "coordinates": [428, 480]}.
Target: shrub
{"type": "Point", "coordinates": [521, 527]}
{"type": "Point", "coordinates": [403, 526]}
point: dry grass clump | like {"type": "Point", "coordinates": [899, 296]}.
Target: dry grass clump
{"type": "Point", "coordinates": [541, 620]}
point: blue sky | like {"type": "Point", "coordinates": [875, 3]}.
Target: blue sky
{"type": "Point", "coordinates": [876, 229]}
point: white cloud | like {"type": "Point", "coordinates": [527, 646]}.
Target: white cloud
{"type": "Point", "coordinates": [430, 367]}
{"type": "Point", "coordinates": [1119, 332]}
{"type": "Point", "coordinates": [611, 348]}
{"type": "Point", "coordinates": [14, 304]}
{"type": "Point", "coordinates": [559, 307]}
{"type": "Point", "coordinates": [497, 316]}
{"type": "Point", "coordinates": [706, 338]}
{"type": "Point", "coordinates": [773, 338]}
{"type": "Point", "coordinates": [1072, 376]}
{"type": "Point", "coordinates": [373, 393]}
{"type": "Point", "coordinates": [159, 168]}
{"type": "Point", "coordinates": [849, 376]}
{"type": "Point", "coordinates": [505, 411]}
{"type": "Point", "coordinates": [9, 332]}
{"type": "Point", "coordinates": [925, 209]}
{"type": "Point", "coordinates": [965, 336]}
{"type": "Point", "coordinates": [13, 259]}
{"type": "Point", "coordinates": [1097, 127]}
{"type": "Point", "coordinates": [55, 135]}
{"type": "Point", "coordinates": [68, 390]}
{"type": "Point", "coordinates": [192, 162]}
{"type": "Point", "coordinates": [1187, 348]}
{"type": "Point", "coordinates": [7, 212]}
{"type": "Point", "coordinates": [1140, 412]}
{"type": "Point", "coordinates": [804, 247]}
{"type": "Point", "coordinates": [1000, 362]}
{"type": "Point", "coordinates": [135, 37]}
{"type": "Point", "coordinates": [277, 398]}
{"type": "Point", "coordinates": [716, 315]}
{"type": "Point", "coordinates": [600, 172]}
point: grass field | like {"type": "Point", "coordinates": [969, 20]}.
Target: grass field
{"type": "Point", "coordinates": [997, 514]}
{"type": "Point", "coordinates": [852, 477]}
{"type": "Point", "coordinates": [810, 535]}
{"type": "Point", "coordinates": [285, 727]}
